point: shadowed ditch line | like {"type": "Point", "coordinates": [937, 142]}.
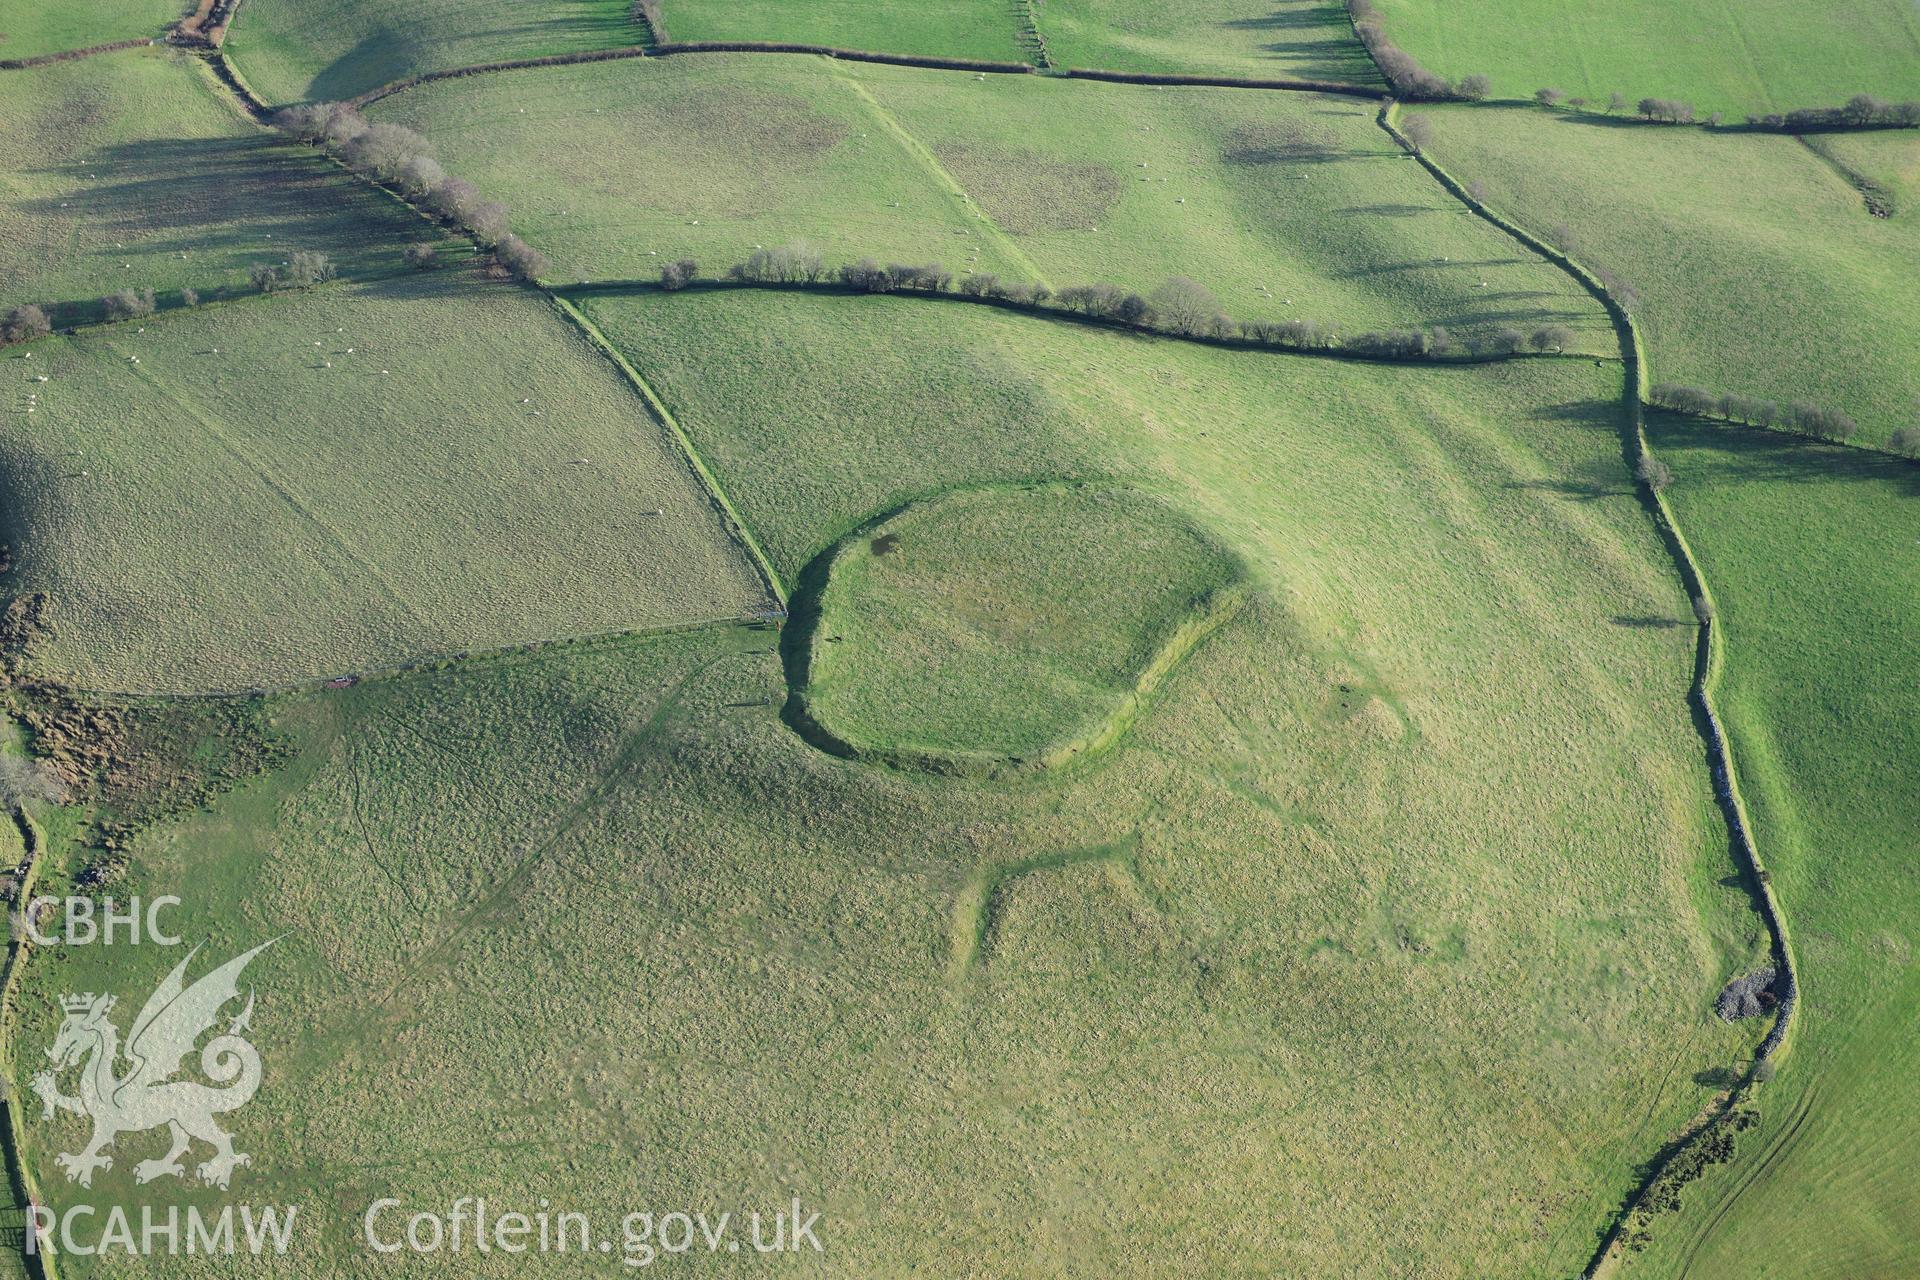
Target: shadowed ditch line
{"type": "Point", "coordinates": [1708, 661]}
{"type": "Point", "coordinates": [977, 907]}
{"type": "Point", "coordinates": [798, 645]}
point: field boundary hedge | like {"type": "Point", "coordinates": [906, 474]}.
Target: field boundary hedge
{"type": "Point", "coordinates": [1708, 663]}
{"type": "Point", "coordinates": [797, 648]}
{"type": "Point", "coordinates": [71, 55]}
{"type": "Point", "coordinates": [1065, 315]}
{"type": "Point", "coordinates": [709, 482]}
{"type": "Point", "coordinates": [924, 62]}
{"type": "Point", "coordinates": [1880, 200]}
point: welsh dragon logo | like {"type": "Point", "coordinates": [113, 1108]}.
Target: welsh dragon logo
{"type": "Point", "coordinates": [146, 1095]}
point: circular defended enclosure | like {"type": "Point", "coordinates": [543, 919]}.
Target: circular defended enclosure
{"type": "Point", "coordinates": [1012, 628]}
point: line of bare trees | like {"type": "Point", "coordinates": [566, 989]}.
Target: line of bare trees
{"type": "Point", "coordinates": [647, 14]}
{"type": "Point", "coordinates": [1800, 416]}
{"type": "Point", "coordinates": [403, 160]}
{"type": "Point", "coordinates": [1402, 70]}
{"type": "Point", "coordinates": [1181, 306]}
{"type": "Point", "coordinates": [1861, 111]}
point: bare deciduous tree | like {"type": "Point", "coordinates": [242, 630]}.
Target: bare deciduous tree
{"type": "Point", "coordinates": [679, 274]}
{"type": "Point", "coordinates": [128, 304]}
{"type": "Point", "coordinates": [1185, 306]}
{"type": "Point", "coordinates": [24, 323]}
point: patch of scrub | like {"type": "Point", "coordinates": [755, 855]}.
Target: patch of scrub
{"type": "Point", "coordinates": [998, 629]}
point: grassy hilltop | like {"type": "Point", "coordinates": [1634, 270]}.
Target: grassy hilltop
{"type": "Point", "coordinates": [1340, 918]}
{"type": "Point", "coordinates": [1060, 798]}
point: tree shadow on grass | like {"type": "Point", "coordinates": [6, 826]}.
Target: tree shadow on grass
{"type": "Point", "coordinates": [394, 52]}
{"type": "Point", "coordinates": [223, 196]}
{"type": "Point", "coordinates": [1335, 55]}
{"type": "Point", "coordinates": [1752, 454]}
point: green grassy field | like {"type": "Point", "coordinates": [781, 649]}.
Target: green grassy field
{"type": "Point", "coordinates": [1761, 269]}
{"type": "Point", "coordinates": [1773, 55]}
{"type": "Point", "coordinates": [127, 171]}
{"type": "Point", "coordinates": [1307, 38]}
{"type": "Point", "coordinates": [931, 641]}
{"type": "Point", "coordinates": [986, 29]}
{"type": "Point", "coordinates": [1812, 553]}
{"type": "Point", "coordinates": [1287, 206]}
{"type": "Point", "coordinates": [1342, 922]}
{"type": "Point", "coordinates": [275, 489]}
{"type": "Point", "coordinates": [28, 30]}
{"type": "Point", "coordinates": [292, 51]}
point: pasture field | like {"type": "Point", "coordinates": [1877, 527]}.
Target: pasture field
{"type": "Point", "coordinates": [276, 489]}
{"type": "Point", "coordinates": [1813, 555]}
{"type": "Point", "coordinates": [615, 168]}
{"type": "Point", "coordinates": [1287, 206]}
{"type": "Point", "coordinates": [1312, 39]}
{"type": "Point", "coordinates": [984, 29]}
{"type": "Point", "coordinates": [1342, 922]}
{"type": "Point", "coordinates": [1747, 59]}
{"type": "Point", "coordinates": [294, 51]}
{"type": "Point", "coordinates": [127, 171]}
{"type": "Point", "coordinates": [29, 30]}
{"type": "Point", "coordinates": [1761, 270]}
{"type": "Point", "coordinates": [931, 645]}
